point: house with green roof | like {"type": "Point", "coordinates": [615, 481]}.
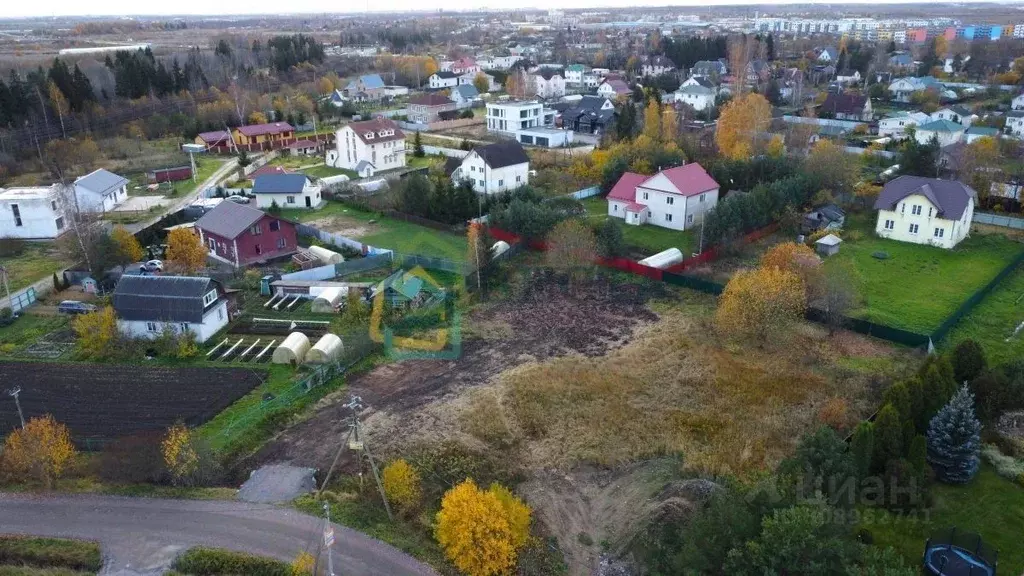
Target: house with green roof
{"type": "Point", "coordinates": [945, 131]}
{"type": "Point", "coordinates": [975, 132]}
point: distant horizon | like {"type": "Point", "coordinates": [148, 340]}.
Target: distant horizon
{"type": "Point", "coordinates": [127, 9]}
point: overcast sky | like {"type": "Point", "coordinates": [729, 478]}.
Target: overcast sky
{"type": "Point", "coordinates": [19, 8]}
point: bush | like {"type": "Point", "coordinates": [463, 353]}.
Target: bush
{"type": "Point", "coordinates": [402, 485]}
{"type": "Point", "coordinates": [610, 243]}
{"type": "Point", "coordinates": [40, 452]}
{"type": "Point", "coordinates": [834, 413]}
{"type": "Point", "coordinates": [50, 553]}
{"type": "Point", "coordinates": [1006, 466]}
{"type": "Point", "coordinates": [202, 561]}
{"type": "Point", "coordinates": [968, 361]}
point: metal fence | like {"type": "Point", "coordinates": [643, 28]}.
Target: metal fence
{"type": "Point", "coordinates": [333, 238]}
{"type": "Point", "coordinates": [357, 265]}
{"type": "Point", "coordinates": [21, 300]}
{"type": "Point", "coordinates": [998, 220]}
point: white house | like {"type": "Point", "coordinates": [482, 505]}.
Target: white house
{"type": "Point", "coordinates": [550, 83]}
{"type": "Point", "coordinates": [957, 114]}
{"type": "Point", "coordinates": [828, 55]}
{"type": "Point", "coordinates": [1018, 102]}
{"type": "Point", "coordinates": [147, 305]}
{"type": "Point", "coordinates": [470, 79]}
{"type": "Point", "coordinates": [945, 131]}
{"type": "Point", "coordinates": [656, 66]}
{"type": "Point", "coordinates": [698, 92]}
{"type": "Point", "coordinates": [978, 132]}
{"type": "Point", "coordinates": [495, 168]}
{"type": "Point", "coordinates": [1015, 123]}
{"type": "Point", "coordinates": [100, 191]}
{"type": "Point", "coordinates": [379, 141]}
{"type": "Point", "coordinates": [31, 213]}
{"type": "Point", "coordinates": [895, 125]}
{"type": "Point", "coordinates": [465, 65]}
{"type": "Point", "coordinates": [510, 117]}
{"type": "Point", "coordinates": [574, 74]}
{"type": "Point", "coordinates": [903, 88]}
{"type": "Point", "coordinates": [925, 211]}
{"type": "Point", "coordinates": [464, 95]}
{"type": "Point", "coordinates": [439, 80]}
{"type": "Point", "coordinates": [497, 62]}
{"type": "Point", "coordinates": [676, 198]}
{"type": "Point", "coordinates": [287, 191]}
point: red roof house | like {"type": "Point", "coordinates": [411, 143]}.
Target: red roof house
{"type": "Point", "coordinates": [242, 235]}
{"type": "Point", "coordinates": [676, 198]}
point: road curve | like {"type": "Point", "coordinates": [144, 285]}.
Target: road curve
{"type": "Point", "coordinates": [141, 536]}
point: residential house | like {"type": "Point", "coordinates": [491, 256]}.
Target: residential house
{"type": "Point", "coordinates": [35, 213]}
{"type": "Point", "coordinates": [147, 306]}
{"type": "Point", "coordinates": [574, 74]}
{"type": "Point", "coordinates": [99, 191]}
{"type": "Point", "coordinates": [471, 77]}
{"type": "Point", "coordinates": [217, 139]}
{"type": "Point", "coordinates": [495, 168]}
{"type": "Point", "coordinates": [338, 98]}
{"type": "Point", "coordinates": [241, 235]}
{"type": "Point", "coordinates": [395, 91]}
{"type": "Point", "coordinates": [426, 107]}
{"type": "Point", "coordinates": [613, 88]}
{"type": "Point", "coordinates": [550, 83]}
{"type": "Point", "coordinates": [697, 92]}
{"type": "Point", "coordinates": [901, 61]}
{"type": "Point", "coordinates": [976, 132]}
{"type": "Point", "coordinates": [713, 69]}
{"type": "Point", "coordinates": [367, 87]}
{"type": "Point", "coordinates": [925, 211]}
{"type": "Point", "coordinates": [945, 131]}
{"type": "Point", "coordinates": [498, 62]}
{"type": "Point", "coordinates": [676, 198]}
{"type": "Point", "coordinates": [848, 78]}
{"type": "Point", "coordinates": [957, 114]}
{"type": "Point", "coordinates": [465, 65]}
{"type": "Point", "coordinates": [656, 66]}
{"type": "Point", "coordinates": [902, 89]}
{"type": "Point", "coordinates": [592, 114]}
{"type": "Point", "coordinates": [758, 72]}
{"type": "Point", "coordinates": [271, 136]}
{"type": "Point", "coordinates": [1018, 102]}
{"type": "Point", "coordinates": [895, 125]}
{"type": "Point", "coordinates": [829, 55]}
{"type": "Point", "coordinates": [846, 107]}
{"type": "Point", "coordinates": [464, 95]}
{"type": "Point", "coordinates": [379, 141]}
{"type": "Point", "coordinates": [510, 117]}
{"type": "Point", "coordinates": [441, 80]}
{"type": "Point", "coordinates": [1015, 123]}
{"type": "Point", "coordinates": [286, 191]}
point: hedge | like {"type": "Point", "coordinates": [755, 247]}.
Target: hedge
{"type": "Point", "coordinates": [201, 561]}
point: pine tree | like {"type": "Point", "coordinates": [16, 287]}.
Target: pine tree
{"type": "Point", "coordinates": [954, 440]}
{"type": "Point", "coordinates": [862, 447]}
{"type": "Point", "coordinates": [417, 146]}
{"type": "Point", "coordinates": [888, 442]}
{"type": "Point", "coordinates": [968, 361]}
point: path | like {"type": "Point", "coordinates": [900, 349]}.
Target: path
{"type": "Point", "coordinates": [188, 198]}
{"type": "Point", "coordinates": [43, 287]}
{"type": "Point", "coordinates": [141, 536]}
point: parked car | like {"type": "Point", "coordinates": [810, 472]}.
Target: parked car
{"type": "Point", "coordinates": [75, 307]}
{"type": "Point", "coordinates": [152, 266]}
{"type": "Point", "coordinates": [237, 199]}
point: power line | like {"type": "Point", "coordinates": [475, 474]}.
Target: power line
{"type": "Point", "coordinates": [13, 392]}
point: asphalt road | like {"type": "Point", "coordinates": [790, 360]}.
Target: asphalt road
{"type": "Point", "coordinates": [141, 536]}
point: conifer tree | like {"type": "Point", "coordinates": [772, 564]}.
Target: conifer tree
{"type": "Point", "coordinates": [954, 440]}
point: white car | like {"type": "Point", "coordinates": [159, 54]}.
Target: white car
{"type": "Point", "coordinates": [152, 266]}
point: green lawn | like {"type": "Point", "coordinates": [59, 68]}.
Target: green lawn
{"type": "Point", "coordinates": [990, 505]}
{"type": "Point", "coordinates": [646, 238]}
{"type": "Point", "coordinates": [424, 162]}
{"type": "Point", "coordinates": [323, 171]}
{"type": "Point", "coordinates": [38, 260]}
{"type": "Point", "coordinates": [27, 329]}
{"type": "Point", "coordinates": [63, 555]}
{"type": "Point", "coordinates": [391, 233]}
{"type": "Point", "coordinates": [993, 321]}
{"type": "Point", "coordinates": [205, 167]}
{"type": "Point", "coordinates": [918, 286]}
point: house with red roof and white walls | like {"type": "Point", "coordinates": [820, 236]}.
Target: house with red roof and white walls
{"type": "Point", "coordinates": [676, 198]}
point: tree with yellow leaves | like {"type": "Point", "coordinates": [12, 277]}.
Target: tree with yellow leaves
{"type": "Point", "coordinates": [96, 333]}
{"type": "Point", "coordinates": [741, 120]}
{"type": "Point", "coordinates": [41, 451]}
{"type": "Point", "coordinates": [799, 259]}
{"type": "Point", "coordinates": [834, 168]}
{"type": "Point", "coordinates": [652, 121]}
{"type": "Point", "coordinates": [303, 564]}
{"type": "Point", "coordinates": [257, 118]}
{"type": "Point", "coordinates": [776, 147]}
{"type": "Point", "coordinates": [571, 247]}
{"type": "Point", "coordinates": [185, 250]}
{"type": "Point", "coordinates": [979, 164]}
{"type": "Point", "coordinates": [760, 303]}
{"type": "Point", "coordinates": [517, 512]}
{"type": "Point", "coordinates": [324, 86]}
{"type": "Point", "coordinates": [402, 485]}
{"type": "Point", "coordinates": [475, 530]}
{"type": "Point", "coordinates": [126, 246]}
{"type": "Point", "coordinates": [180, 454]}
{"type": "Point", "coordinates": [481, 83]}
{"type": "Point", "coordinates": [59, 104]}
{"type": "Point", "coordinates": [669, 125]}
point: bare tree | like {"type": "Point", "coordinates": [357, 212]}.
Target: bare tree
{"type": "Point", "coordinates": [739, 57]}
{"type": "Point", "coordinates": [836, 295]}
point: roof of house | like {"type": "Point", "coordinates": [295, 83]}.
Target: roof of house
{"type": "Point", "coordinates": [501, 154]}
{"type": "Point", "coordinates": [215, 136]}
{"type": "Point", "coordinates": [634, 207]}
{"type": "Point", "coordinates": [844, 103]}
{"type": "Point", "coordinates": [1015, 114]}
{"type": "Point", "coordinates": [983, 131]}
{"type": "Point", "coordinates": [625, 188]}
{"type": "Point", "coordinates": [548, 73]}
{"type": "Point", "coordinates": [709, 65]}
{"type": "Point", "coordinates": [661, 61]}
{"type": "Point", "coordinates": [267, 170]}
{"type": "Point", "coordinates": [466, 91]}
{"type": "Point", "coordinates": [949, 196]}
{"type": "Point", "coordinates": [618, 86]}
{"type": "Point", "coordinates": [696, 89]}
{"type": "Point", "coordinates": [960, 110]}
{"type": "Point", "coordinates": [702, 81]}
{"type": "Point", "coordinates": [161, 298]}
{"type": "Point", "coordinates": [279, 184]}
{"type": "Point", "coordinates": [830, 240]}
{"type": "Point", "coordinates": [304, 143]}
{"type": "Point", "coordinates": [261, 129]}
{"type": "Point", "coordinates": [690, 179]}
{"type": "Point", "coordinates": [101, 181]}
{"type": "Point", "coordinates": [941, 126]}
{"type": "Point", "coordinates": [430, 100]}
{"type": "Point", "coordinates": [446, 74]}
{"type": "Point", "coordinates": [832, 53]}
{"type": "Point", "coordinates": [464, 62]}
{"type": "Point", "coordinates": [900, 60]}
{"type": "Point", "coordinates": [370, 82]}
{"type": "Point", "coordinates": [451, 165]}
{"type": "Point", "coordinates": [375, 127]}
{"type": "Point", "coordinates": [576, 68]}
{"type": "Point", "coordinates": [229, 220]}
{"type": "Point", "coordinates": [363, 165]}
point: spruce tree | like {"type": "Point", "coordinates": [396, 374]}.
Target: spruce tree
{"type": "Point", "coordinates": [417, 148]}
{"type": "Point", "coordinates": [862, 447]}
{"type": "Point", "coordinates": [954, 440]}
{"type": "Point", "coordinates": [968, 361]}
{"type": "Point", "coordinates": [888, 442]}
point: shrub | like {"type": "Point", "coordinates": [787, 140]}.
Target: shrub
{"type": "Point", "coordinates": [50, 553]}
{"type": "Point", "coordinates": [834, 413]}
{"type": "Point", "coordinates": [862, 448]}
{"type": "Point", "coordinates": [402, 485]}
{"type": "Point", "coordinates": [202, 561]}
{"type": "Point", "coordinates": [954, 440]}
{"type": "Point", "coordinates": [610, 243]}
{"type": "Point", "coordinates": [888, 441]}
{"type": "Point", "coordinates": [41, 451]}
{"type": "Point", "coordinates": [303, 565]}
{"type": "Point", "coordinates": [473, 529]}
{"type": "Point", "coordinates": [1006, 466]}
{"type": "Point", "coordinates": [968, 361]}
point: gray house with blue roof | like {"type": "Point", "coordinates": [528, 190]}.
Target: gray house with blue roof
{"type": "Point", "coordinates": [366, 87]}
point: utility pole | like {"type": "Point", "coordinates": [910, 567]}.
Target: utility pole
{"type": "Point", "coordinates": [354, 441]}
{"type": "Point", "coordinates": [7, 287]}
{"type": "Point", "coordinates": [13, 392]}
{"type": "Point", "coordinates": [328, 538]}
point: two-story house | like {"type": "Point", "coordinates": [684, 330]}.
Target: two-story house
{"type": "Point", "coordinates": [1018, 102]}
{"type": "Point", "coordinates": [464, 95]}
{"type": "Point", "coordinates": [100, 190]}
{"type": "Point", "coordinates": [425, 108]}
{"type": "Point", "coordinates": [895, 125]}
{"type": "Point", "coordinates": [241, 235]}
{"type": "Point", "coordinates": [902, 89]}
{"type": "Point", "coordinates": [1015, 123]}
{"type": "Point", "coordinates": [510, 117]}
{"type": "Point", "coordinates": [925, 211]}
{"type": "Point", "coordinates": [147, 305]}
{"type": "Point", "coordinates": [270, 136]}
{"type": "Point", "coordinates": [697, 92]}
{"type": "Point", "coordinates": [677, 198]}
{"type": "Point", "coordinates": [495, 168]}
{"type": "Point", "coordinates": [957, 114]}
{"type": "Point", "coordinates": [441, 80]}
{"type": "Point", "coordinates": [286, 191]}
{"type": "Point", "coordinates": [944, 131]}
{"type": "Point", "coordinates": [613, 88]}
{"type": "Point", "coordinates": [465, 65]}
{"type": "Point", "coordinates": [32, 213]}
{"type": "Point", "coordinates": [574, 74]}
{"type": "Point", "coordinates": [379, 142]}
{"type": "Point", "coordinates": [656, 66]}
{"type": "Point", "coordinates": [367, 87]}
{"type": "Point", "coordinates": [846, 107]}
{"type": "Point", "coordinates": [550, 83]}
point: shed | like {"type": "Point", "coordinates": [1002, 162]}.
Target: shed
{"type": "Point", "coordinates": [329, 299]}
{"type": "Point", "coordinates": [89, 285]}
{"type": "Point", "coordinates": [326, 256]}
{"type": "Point", "coordinates": [828, 245]}
{"type": "Point", "coordinates": [293, 350]}
{"type": "Point", "coordinates": [327, 349]}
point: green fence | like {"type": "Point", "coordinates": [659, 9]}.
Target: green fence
{"type": "Point", "coordinates": [964, 309]}
{"type": "Point", "coordinates": [693, 283]}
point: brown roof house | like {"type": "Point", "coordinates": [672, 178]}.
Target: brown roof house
{"type": "Point", "coordinates": [925, 211]}
{"type": "Point", "coordinates": [846, 107]}
{"type": "Point", "coordinates": [425, 107]}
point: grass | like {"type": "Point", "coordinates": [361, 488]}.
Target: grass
{"type": "Point", "coordinates": [993, 321]}
{"type": "Point", "coordinates": [32, 571]}
{"type": "Point", "coordinates": [205, 167]}
{"type": "Point", "coordinates": [324, 171]}
{"type": "Point", "coordinates": [424, 162]}
{"type": "Point", "coordinates": [646, 238]}
{"type": "Point", "coordinates": [91, 485]}
{"type": "Point", "coordinates": [203, 561]}
{"type": "Point", "coordinates": [221, 432]}
{"type": "Point", "coordinates": [918, 286]}
{"type": "Point", "coordinates": [990, 505]}
{"type": "Point", "coordinates": [63, 553]}
{"type": "Point", "coordinates": [27, 329]}
{"type": "Point", "coordinates": [37, 261]}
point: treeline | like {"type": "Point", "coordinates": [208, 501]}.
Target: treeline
{"type": "Point", "coordinates": [20, 98]}
{"type": "Point", "coordinates": [686, 52]}
{"type": "Point", "coordinates": [138, 74]}
{"type": "Point", "coordinates": [400, 39]}
{"type": "Point", "coordinates": [289, 51]}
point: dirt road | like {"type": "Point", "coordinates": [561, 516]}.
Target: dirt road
{"type": "Point", "coordinates": [180, 203]}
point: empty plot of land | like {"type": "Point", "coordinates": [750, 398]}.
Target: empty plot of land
{"type": "Point", "coordinates": [109, 401]}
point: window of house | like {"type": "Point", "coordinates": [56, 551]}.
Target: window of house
{"type": "Point", "coordinates": [289, 199]}
{"type": "Point", "coordinates": [890, 224]}
{"type": "Point", "coordinates": [668, 217]}
{"type": "Point", "coordinates": [501, 182]}
{"type": "Point", "coordinates": [212, 243]}
{"type": "Point", "coordinates": [689, 218]}
{"type": "Point", "coordinates": [17, 214]}
{"type": "Point", "coordinates": [255, 230]}
{"type": "Point", "coordinates": [281, 243]}
{"type": "Point", "coordinates": [259, 249]}
{"type": "Point", "coordinates": [701, 198]}
{"type": "Point", "coordinates": [53, 205]}
{"type": "Point", "coordinates": [184, 327]}
{"type": "Point", "coordinates": [903, 208]}
{"type": "Point", "coordinates": [275, 225]}
{"type": "Point", "coordinates": [60, 223]}
{"type": "Point", "coordinates": [916, 210]}
{"type": "Point", "coordinates": [152, 327]}
{"type": "Point", "coordinates": [210, 298]}
{"type": "Point", "coordinates": [913, 228]}
{"type": "Point", "coordinates": [615, 207]}
{"type": "Point", "coordinates": [939, 232]}
{"type": "Point", "coordinates": [670, 200]}
{"type": "Point", "coordinates": [645, 195]}
{"type": "Point", "coordinates": [518, 178]}
{"type": "Point", "coordinates": [929, 211]}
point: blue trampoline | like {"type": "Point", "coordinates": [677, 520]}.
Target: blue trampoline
{"type": "Point", "coordinates": [953, 553]}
